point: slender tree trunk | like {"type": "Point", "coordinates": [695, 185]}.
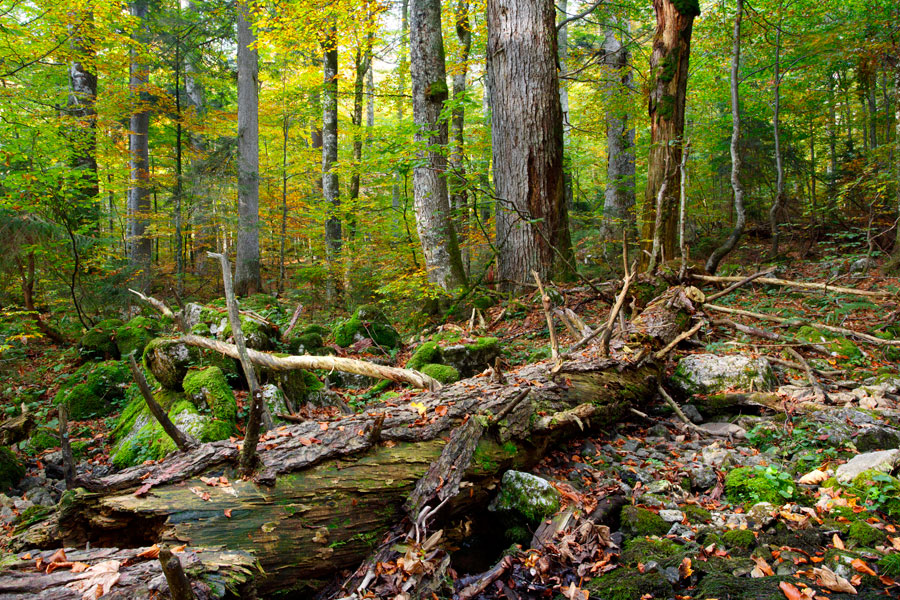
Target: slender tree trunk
{"type": "Point", "coordinates": [247, 279]}
{"type": "Point", "coordinates": [459, 202]}
{"type": "Point", "coordinates": [402, 69]}
{"type": "Point", "coordinates": [668, 88]}
{"type": "Point", "coordinates": [362, 63]}
{"type": "Point", "coordinates": [285, 130]}
{"type": "Point", "coordinates": [139, 186]}
{"type": "Point", "coordinates": [712, 264]}
{"type": "Point", "coordinates": [619, 196]}
{"type": "Point", "coordinates": [777, 205]}
{"type": "Point", "coordinates": [83, 136]}
{"type": "Point", "coordinates": [429, 89]}
{"type": "Point", "coordinates": [562, 42]}
{"type": "Point", "coordinates": [179, 172]}
{"type": "Point", "coordinates": [330, 188]}
{"type": "Point", "coordinates": [527, 132]}
{"type": "Point", "coordinates": [370, 102]}
{"type": "Point", "coordinates": [831, 131]}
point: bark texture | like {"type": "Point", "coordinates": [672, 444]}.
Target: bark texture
{"type": "Point", "coordinates": [83, 135]}
{"type": "Point", "coordinates": [330, 188]}
{"type": "Point", "coordinates": [247, 274]}
{"type": "Point", "coordinates": [527, 132]}
{"type": "Point", "coordinates": [459, 197]}
{"type": "Point", "coordinates": [139, 182]}
{"type": "Point", "coordinates": [668, 87]}
{"type": "Point", "coordinates": [429, 89]}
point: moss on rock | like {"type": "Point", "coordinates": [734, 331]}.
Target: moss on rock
{"type": "Point", "coordinates": [99, 342]}
{"type": "Point", "coordinates": [169, 361]}
{"type": "Point", "coordinates": [644, 550]}
{"type": "Point", "coordinates": [527, 495]}
{"type": "Point", "coordinates": [865, 535]}
{"type": "Point", "coordinates": [630, 584]}
{"type": "Point", "coordinates": [758, 484]}
{"type": "Point", "coordinates": [11, 469]}
{"type": "Point", "coordinates": [209, 388]}
{"type": "Point", "coordinates": [442, 373]}
{"type": "Point", "coordinates": [638, 521]}
{"type": "Point", "coordinates": [367, 322]}
{"type": "Point", "coordinates": [95, 389]}
{"type": "Point", "coordinates": [429, 352]}
{"type": "Point", "coordinates": [741, 539]}
{"type": "Point", "coordinates": [134, 335]}
{"type": "Point", "coordinates": [42, 439]}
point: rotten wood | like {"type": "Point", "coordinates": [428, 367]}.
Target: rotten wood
{"type": "Point", "coordinates": [545, 303]}
{"type": "Point", "coordinates": [179, 586]}
{"type": "Point", "coordinates": [739, 284]}
{"type": "Point", "coordinates": [18, 428]}
{"type": "Point", "coordinates": [804, 285]}
{"type": "Point", "coordinates": [65, 447]}
{"type": "Point", "coordinates": [183, 441]}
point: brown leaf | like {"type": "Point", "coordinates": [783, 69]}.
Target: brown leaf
{"type": "Point", "coordinates": [199, 492]}
{"type": "Point", "coordinates": [440, 410]}
{"type": "Point", "coordinates": [305, 441]}
{"type": "Point", "coordinates": [79, 567]}
{"type": "Point", "coordinates": [861, 566]}
{"type": "Point", "coordinates": [228, 512]}
{"type": "Point", "coordinates": [98, 581]}
{"type": "Point", "coordinates": [151, 552]}
{"type": "Point", "coordinates": [813, 477]}
{"type": "Point", "coordinates": [832, 581]}
{"type": "Point", "coordinates": [142, 491]}
{"type": "Point", "coordinates": [790, 591]}
{"type": "Point", "coordinates": [58, 556]}
{"type": "Point", "coordinates": [762, 568]}
{"type": "Point", "coordinates": [838, 543]}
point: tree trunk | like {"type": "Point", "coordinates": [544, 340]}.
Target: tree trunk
{"type": "Point", "coordinates": [330, 188]}
{"type": "Point", "coordinates": [83, 135]}
{"type": "Point", "coordinates": [402, 69]}
{"type": "Point", "coordinates": [668, 88]}
{"type": "Point", "coordinates": [139, 182]}
{"type": "Point", "coordinates": [328, 492]}
{"type": "Point", "coordinates": [619, 197]}
{"type": "Point", "coordinates": [361, 65]}
{"type": "Point", "coordinates": [778, 204]}
{"type": "Point", "coordinates": [562, 42]}
{"type": "Point", "coordinates": [712, 264]}
{"type": "Point", "coordinates": [429, 89]}
{"type": "Point", "coordinates": [247, 279]}
{"type": "Point", "coordinates": [532, 218]}
{"type": "Point", "coordinates": [459, 197]}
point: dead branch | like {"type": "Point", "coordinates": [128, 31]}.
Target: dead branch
{"type": "Point", "coordinates": [295, 318]}
{"type": "Point", "coordinates": [183, 441]}
{"type": "Point", "coordinates": [545, 302]}
{"type": "Point", "coordinates": [614, 311]}
{"type": "Point", "coordinates": [157, 304]}
{"type": "Point", "coordinates": [798, 284]}
{"type": "Point", "coordinates": [179, 586]}
{"type": "Point", "coordinates": [846, 332]}
{"type": "Point", "coordinates": [68, 460]}
{"type": "Point", "coordinates": [738, 284]}
{"type": "Point", "coordinates": [768, 335]}
{"type": "Point", "coordinates": [794, 365]}
{"type": "Point", "coordinates": [659, 355]}
{"type": "Point", "coordinates": [688, 423]}
{"type": "Point", "coordinates": [810, 375]}
{"type": "Point", "coordinates": [325, 363]}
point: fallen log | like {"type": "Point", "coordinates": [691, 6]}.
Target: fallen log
{"type": "Point", "coordinates": [328, 492]}
{"type": "Point", "coordinates": [803, 285]}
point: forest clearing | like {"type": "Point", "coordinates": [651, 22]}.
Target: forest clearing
{"type": "Point", "coordinates": [472, 299]}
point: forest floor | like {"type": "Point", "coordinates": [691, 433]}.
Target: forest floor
{"type": "Point", "coordinates": [752, 500]}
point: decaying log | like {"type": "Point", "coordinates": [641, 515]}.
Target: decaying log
{"type": "Point", "coordinates": [328, 492]}
{"type": "Point", "coordinates": [325, 363]}
{"type": "Point", "coordinates": [125, 574]}
{"type": "Point", "coordinates": [18, 428]}
{"type": "Point", "coordinates": [803, 285]}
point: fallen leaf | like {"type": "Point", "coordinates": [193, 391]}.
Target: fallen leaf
{"type": "Point", "coordinates": [79, 567]}
{"type": "Point", "coordinates": [838, 543]}
{"type": "Point", "coordinates": [440, 410]}
{"type": "Point", "coordinates": [98, 580]}
{"type": "Point", "coordinates": [151, 552]}
{"type": "Point", "coordinates": [199, 492]}
{"type": "Point", "coordinates": [58, 556]}
{"type": "Point", "coordinates": [790, 591]}
{"type": "Point", "coordinates": [179, 549]}
{"type": "Point", "coordinates": [813, 477]}
{"type": "Point", "coordinates": [228, 512]}
{"type": "Point", "coordinates": [832, 581]}
{"type": "Point", "coordinates": [323, 426]}
{"type": "Point", "coordinates": [142, 491]}
{"type": "Point", "coordinates": [861, 566]}
{"type": "Point", "coordinates": [684, 569]}
{"type": "Point", "coordinates": [762, 568]}
{"type": "Point", "coordinates": [305, 441]}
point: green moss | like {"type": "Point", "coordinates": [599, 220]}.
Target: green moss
{"type": "Point", "coordinates": [317, 329]}
{"type": "Point", "coordinates": [758, 484]}
{"type": "Point", "coordinates": [890, 565]}
{"type": "Point", "coordinates": [210, 387]}
{"type": "Point", "coordinates": [688, 8]}
{"type": "Point", "coordinates": [743, 539]}
{"type": "Point", "coordinates": [526, 495]}
{"type": "Point", "coordinates": [644, 550]}
{"type": "Point", "coordinates": [257, 335]}
{"type": "Point", "coordinates": [306, 343]}
{"type": "Point", "coordinates": [437, 89]}
{"type": "Point", "coordinates": [169, 361]}
{"type": "Point", "coordinates": [134, 335]}
{"type": "Point", "coordinates": [517, 534]}
{"type": "Point", "coordinates": [368, 322]}
{"type": "Point", "coordinates": [99, 341]}
{"type": "Point", "coordinates": [482, 302]}
{"type": "Point", "coordinates": [97, 390]}
{"type": "Point", "coordinates": [665, 108]}
{"type": "Point", "coordinates": [11, 470]}
{"type": "Point", "coordinates": [30, 516]}
{"type": "Point", "coordinates": [629, 584]}
{"type": "Point", "coordinates": [638, 521]}
{"type": "Point", "coordinates": [442, 373]}
{"type": "Point", "coordinates": [696, 514]}
{"type": "Point", "coordinates": [42, 439]}
{"type": "Point", "coordinates": [841, 346]}
{"type": "Point", "coordinates": [668, 67]}
{"type": "Point", "coordinates": [429, 352]}
{"type": "Point", "coordinates": [865, 535]}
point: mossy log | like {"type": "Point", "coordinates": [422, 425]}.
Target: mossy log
{"type": "Point", "coordinates": [328, 492]}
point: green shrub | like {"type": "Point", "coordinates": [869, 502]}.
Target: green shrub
{"type": "Point", "coordinates": [11, 470]}
{"type": "Point", "coordinates": [759, 484]}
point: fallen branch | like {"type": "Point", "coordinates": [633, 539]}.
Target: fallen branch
{"type": "Point", "coordinates": [797, 284]}
{"type": "Point", "coordinates": [325, 363]}
{"type": "Point", "coordinates": [545, 303]}
{"type": "Point", "coordinates": [738, 284]}
{"type": "Point", "coordinates": [688, 423]}
{"type": "Point", "coordinates": [183, 441]}
{"type": "Point", "coordinates": [810, 375]}
{"type": "Point", "coordinates": [793, 365]}
{"type": "Point", "coordinates": [857, 334]}
{"type": "Point", "coordinates": [614, 311]}
{"type": "Point", "coordinates": [157, 304]}
{"type": "Point", "coordinates": [659, 355]}
{"type": "Point", "coordinates": [768, 335]}
{"type": "Point", "coordinates": [295, 318]}
{"type": "Point", "coordinates": [179, 586]}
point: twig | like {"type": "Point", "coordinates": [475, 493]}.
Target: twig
{"type": "Point", "coordinates": [688, 423]}
{"type": "Point", "coordinates": [810, 375]}
{"type": "Point", "coordinates": [295, 318]}
{"type": "Point", "coordinates": [583, 341]}
{"type": "Point", "coordinates": [183, 441]}
{"type": "Point", "coordinates": [681, 337]}
{"type": "Point", "coordinates": [768, 335]}
{"type": "Point", "coordinates": [793, 365]}
{"type": "Point", "coordinates": [68, 460]}
{"type": "Point", "coordinates": [857, 334]}
{"type": "Point", "coordinates": [614, 311]}
{"type": "Point", "coordinates": [512, 405]}
{"type": "Point", "coordinates": [157, 304]}
{"type": "Point", "coordinates": [179, 586]}
{"type": "Point", "coordinates": [738, 284]}
{"type": "Point", "coordinates": [798, 284]}
{"type": "Point", "coordinates": [545, 302]}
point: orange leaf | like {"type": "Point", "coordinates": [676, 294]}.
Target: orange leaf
{"type": "Point", "coordinates": [228, 512]}
{"type": "Point", "coordinates": [861, 566]}
{"type": "Point", "coordinates": [838, 543]}
{"type": "Point", "coordinates": [440, 410]}
{"type": "Point", "coordinates": [790, 591]}
{"type": "Point", "coordinates": [323, 426]}
{"type": "Point", "coordinates": [151, 552]}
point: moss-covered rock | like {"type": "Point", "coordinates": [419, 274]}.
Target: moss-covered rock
{"type": "Point", "coordinates": [11, 469]}
{"type": "Point", "coordinates": [442, 373]}
{"type": "Point", "coordinates": [258, 335]}
{"type": "Point", "coordinates": [95, 389]}
{"type": "Point", "coordinates": [426, 353]}
{"type": "Point", "coordinates": [840, 346]}
{"type": "Point", "coordinates": [696, 514]}
{"type": "Point", "coordinates": [759, 484]}
{"type": "Point", "coordinates": [299, 386]}
{"type": "Point", "coordinates": [275, 401]}
{"type": "Point", "coordinates": [367, 322]}
{"type": "Point", "coordinates": [169, 361]}
{"type": "Point", "coordinates": [644, 550]}
{"type": "Point", "coordinates": [740, 539]}
{"type": "Point", "coordinates": [713, 373]}
{"type": "Point", "coordinates": [527, 495]}
{"type": "Point", "coordinates": [209, 388]}
{"type": "Point", "coordinates": [42, 439]}
{"type": "Point", "coordinates": [471, 359]}
{"type": "Point", "coordinates": [638, 521]}
{"type": "Point", "coordinates": [99, 342]}
{"type": "Point", "coordinates": [306, 343]}
{"type": "Point", "coordinates": [630, 584]}
{"type": "Point", "coordinates": [865, 535]}
{"type": "Point", "coordinates": [139, 436]}
{"type": "Point", "coordinates": [134, 335]}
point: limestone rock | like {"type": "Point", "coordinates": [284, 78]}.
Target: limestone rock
{"type": "Point", "coordinates": [884, 460]}
{"type": "Point", "coordinates": [712, 373]}
{"type": "Point", "coordinates": [528, 495]}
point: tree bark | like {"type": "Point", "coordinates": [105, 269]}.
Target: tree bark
{"type": "Point", "coordinates": [247, 279]}
{"type": "Point", "coordinates": [330, 188]}
{"type": "Point", "coordinates": [668, 89]}
{"type": "Point", "coordinates": [712, 264]}
{"type": "Point", "coordinates": [402, 69]}
{"type": "Point", "coordinates": [532, 218]}
{"type": "Point", "coordinates": [362, 63]}
{"type": "Point", "coordinates": [459, 197]}
{"type": "Point", "coordinates": [429, 89]}
{"type": "Point", "coordinates": [83, 135]}
{"type": "Point", "coordinates": [619, 196]}
{"type": "Point", "coordinates": [777, 205]}
{"type": "Point", "coordinates": [562, 42]}
{"type": "Point", "coordinates": [139, 182]}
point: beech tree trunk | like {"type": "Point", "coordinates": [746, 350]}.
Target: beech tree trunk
{"type": "Point", "coordinates": [532, 218]}
{"type": "Point", "coordinates": [459, 197]}
{"type": "Point", "coordinates": [83, 135]}
{"type": "Point", "coordinates": [247, 280]}
{"type": "Point", "coordinates": [402, 69]}
{"type": "Point", "coordinates": [139, 179]}
{"type": "Point", "coordinates": [778, 203]}
{"type": "Point", "coordinates": [330, 188]}
{"type": "Point", "coordinates": [619, 196]}
{"type": "Point", "coordinates": [562, 41]}
{"type": "Point", "coordinates": [712, 264]}
{"type": "Point", "coordinates": [429, 89]}
{"type": "Point", "coordinates": [668, 88]}
{"type": "Point", "coordinates": [362, 62]}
